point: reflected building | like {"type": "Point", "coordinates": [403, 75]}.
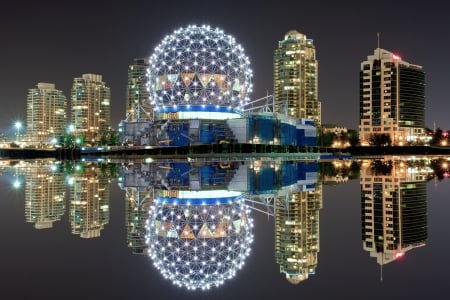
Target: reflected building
{"type": "Point", "coordinates": [393, 208]}
{"type": "Point", "coordinates": [297, 201]}
{"type": "Point", "coordinates": [44, 193]}
{"type": "Point", "coordinates": [139, 194]}
{"type": "Point", "coordinates": [89, 201]}
{"type": "Point", "coordinates": [198, 232]}
{"type": "Point", "coordinates": [199, 222]}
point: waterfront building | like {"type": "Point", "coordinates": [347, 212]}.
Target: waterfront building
{"type": "Point", "coordinates": [90, 108]}
{"type": "Point", "coordinates": [46, 114]}
{"type": "Point", "coordinates": [199, 83]}
{"type": "Point", "coordinates": [138, 105]}
{"type": "Point", "coordinates": [392, 99]}
{"type": "Point", "coordinates": [296, 77]}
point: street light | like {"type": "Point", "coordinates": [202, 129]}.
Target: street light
{"type": "Point", "coordinates": [18, 125]}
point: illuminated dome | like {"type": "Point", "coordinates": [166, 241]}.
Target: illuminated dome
{"type": "Point", "coordinates": [199, 66]}
{"type": "Point", "coordinates": [200, 238]}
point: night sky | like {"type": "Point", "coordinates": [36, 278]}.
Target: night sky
{"type": "Point", "coordinates": [55, 41]}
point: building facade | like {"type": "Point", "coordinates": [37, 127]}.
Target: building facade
{"type": "Point", "coordinates": [392, 99]}
{"type": "Point", "coordinates": [90, 107]}
{"type": "Point", "coordinates": [46, 114]}
{"type": "Point", "coordinates": [138, 105]}
{"type": "Point", "coordinates": [296, 77]}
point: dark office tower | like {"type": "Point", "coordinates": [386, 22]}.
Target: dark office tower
{"type": "Point", "coordinates": [296, 77]}
{"type": "Point", "coordinates": [138, 105]}
{"type": "Point", "coordinates": [89, 202]}
{"type": "Point", "coordinates": [90, 107]}
{"type": "Point", "coordinates": [44, 194]}
{"type": "Point", "coordinates": [393, 209]}
{"type": "Point", "coordinates": [392, 99]}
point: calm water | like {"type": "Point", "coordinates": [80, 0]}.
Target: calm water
{"type": "Point", "coordinates": [73, 231]}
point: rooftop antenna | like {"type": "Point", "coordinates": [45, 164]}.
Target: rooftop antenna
{"type": "Point", "coordinates": [378, 45]}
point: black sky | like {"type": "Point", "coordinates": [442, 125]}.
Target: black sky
{"type": "Point", "coordinates": [55, 41]}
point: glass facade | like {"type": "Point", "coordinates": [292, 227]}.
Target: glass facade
{"type": "Point", "coordinates": [392, 99]}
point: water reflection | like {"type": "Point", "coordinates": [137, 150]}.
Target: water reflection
{"type": "Point", "coordinates": [297, 222]}
{"type": "Point", "coordinates": [89, 200]}
{"type": "Point", "coordinates": [44, 193]}
{"type": "Point", "coordinates": [393, 207]}
{"type": "Point", "coordinates": [199, 228]}
{"type": "Point", "coordinates": [195, 220]}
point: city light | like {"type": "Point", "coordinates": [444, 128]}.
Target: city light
{"type": "Point", "coordinates": [18, 126]}
{"type": "Point", "coordinates": [16, 183]}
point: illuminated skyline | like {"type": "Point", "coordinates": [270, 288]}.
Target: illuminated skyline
{"type": "Point", "coordinates": [54, 43]}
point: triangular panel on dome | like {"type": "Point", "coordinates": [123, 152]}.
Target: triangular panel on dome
{"type": "Point", "coordinates": [237, 225]}
{"type": "Point", "coordinates": [187, 78]}
{"type": "Point", "coordinates": [172, 78]}
{"type": "Point", "coordinates": [187, 232]}
{"type": "Point", "coordinates": [221, 230]}
{"type": "Point", "coordinates": [172, 233]}
{"type": "Point", "coordinates": [204, 232]}
{"type": "Point", "coordinates": [212, 79]}
{"type": "Point", "coordinates": [161, 82]}
{"type": "Point", "coordinates": [204, 79]}
{"type": "Point", "coordinates": [220, 80]}
{"type": "Point", "coordinates": [236, 85]}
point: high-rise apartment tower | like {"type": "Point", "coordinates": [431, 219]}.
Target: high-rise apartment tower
{"type": "Point", "coordinates": [46, 114]}
{"type": "Point", "coordinates": [138, 103]}
{"type": "Point", "coordinates": [296, 77]}
{"type": "Point", "coordinates": [90, 109]}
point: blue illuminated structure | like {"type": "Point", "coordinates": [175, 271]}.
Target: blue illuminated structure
{"type": "Point", "coordinates": [199, 84]}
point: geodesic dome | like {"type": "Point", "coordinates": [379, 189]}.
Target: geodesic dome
{"type": "Point", "coordinates": [197, 66]}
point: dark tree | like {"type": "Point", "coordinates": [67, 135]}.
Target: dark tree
{"type": "Point", "coordinates": [380, 139]}
{"type": "Point", "coordinates": [353, 137]}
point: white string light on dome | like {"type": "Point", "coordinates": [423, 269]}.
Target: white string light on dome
{"type": "Point", "coordinates": [199, 246]}
{"type": "Point", "coordinates": [199, 66]}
